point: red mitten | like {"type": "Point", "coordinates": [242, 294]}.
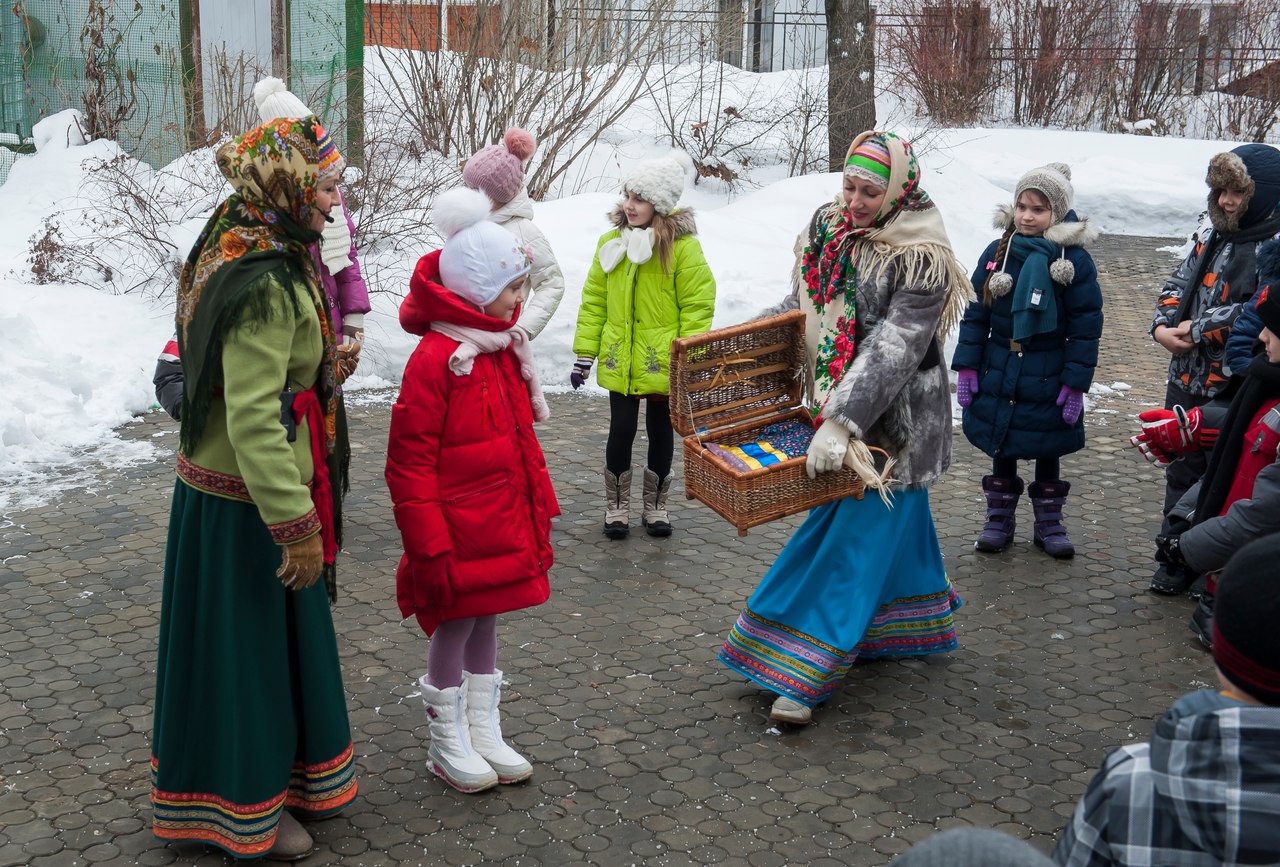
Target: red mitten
{"type": "Point", "coordinates": [423, 584]}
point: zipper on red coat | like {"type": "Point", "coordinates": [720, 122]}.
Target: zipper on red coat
{"type": "Point", "coordinates": [489, 418]}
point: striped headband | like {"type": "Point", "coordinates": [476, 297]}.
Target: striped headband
{"type": "Point", "coordinates": [870, 161]}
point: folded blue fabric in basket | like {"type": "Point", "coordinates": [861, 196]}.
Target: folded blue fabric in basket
{"type": "Point", "coordinates": [777, 443]}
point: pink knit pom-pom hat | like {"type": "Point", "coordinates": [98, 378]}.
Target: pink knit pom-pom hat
{"type": "Point", "coordinates": [498, 170]}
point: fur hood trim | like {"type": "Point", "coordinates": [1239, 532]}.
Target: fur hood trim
{"type": "Point", "coordinates": [1227, 171]}
{"type": "Point", "coordinates": [675, 225]}
{"type": "Point", "coordinates": [1069, 233]}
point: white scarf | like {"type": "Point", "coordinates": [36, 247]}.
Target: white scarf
{"type": "Point", "coordinates": [636, 244]}
{"type": "Point", "coordinates": [474, 341]}
{"type": "Point", "coordinates": [335, 241]}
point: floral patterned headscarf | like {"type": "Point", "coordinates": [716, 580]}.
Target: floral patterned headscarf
{"type": "Point", "coordinates": [263, 227]}
{"type": "Point", "coordinates": [906, 235]}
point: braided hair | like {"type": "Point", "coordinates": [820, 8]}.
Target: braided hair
{"type": "Point", "coordinates": [1001, 250]}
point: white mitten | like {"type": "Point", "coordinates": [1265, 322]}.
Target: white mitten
{"type": "Point", "coordinates": [826, 452]}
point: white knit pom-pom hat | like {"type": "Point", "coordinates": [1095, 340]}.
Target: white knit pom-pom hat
{"type": "Point", "coordinates": [274, 99]}
{"type": "Point", "coordinates": [479, 257]}
{"type": "Point", "coordinates": [661, 181]}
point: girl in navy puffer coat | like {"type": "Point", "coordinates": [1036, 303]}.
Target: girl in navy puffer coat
{"type": "Point", "coordinates": [1026, 354]}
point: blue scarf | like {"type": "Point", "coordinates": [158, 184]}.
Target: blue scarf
{"type": "Point", "coordinates": [1035, 302]}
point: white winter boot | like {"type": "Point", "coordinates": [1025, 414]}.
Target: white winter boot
{"type": "Point", "coordinates": [484, 691]}
{"type": "Point", "coordinates": [451, 755]}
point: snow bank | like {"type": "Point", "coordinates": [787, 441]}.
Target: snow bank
{"type": "Point", "coordinates": [77, 362]}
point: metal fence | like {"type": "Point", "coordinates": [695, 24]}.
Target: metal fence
{"type": "Point", "coordinates": [162, 77]}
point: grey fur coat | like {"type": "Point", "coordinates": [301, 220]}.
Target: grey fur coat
{"type": "Point", "coordinates": [896, 393]}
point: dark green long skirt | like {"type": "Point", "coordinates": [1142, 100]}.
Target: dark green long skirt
{"type": "Point", "coordinates": [250, 714]}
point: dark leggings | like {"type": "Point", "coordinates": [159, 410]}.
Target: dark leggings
{"type": "Point", "coordinates": [624, 418]}
{"type": "Point", "coordinates": [1047, 469]}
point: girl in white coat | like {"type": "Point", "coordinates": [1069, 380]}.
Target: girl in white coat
{"type": "Point", "coordinates": [498, 172]}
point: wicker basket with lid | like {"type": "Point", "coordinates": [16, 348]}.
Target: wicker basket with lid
{"type": "Point", "coordinates": [727, 386]}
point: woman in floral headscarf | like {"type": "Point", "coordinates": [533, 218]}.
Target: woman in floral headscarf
{"type": "Point", "coordinates": [250, 712]}
{"type": "Point", "coordinates": [863, 579]}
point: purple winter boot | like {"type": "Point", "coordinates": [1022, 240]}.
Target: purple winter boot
{"type": "Point", "coordinates": [1047, 500]}
{"type": "Point", "coordinates": [1002, 501]}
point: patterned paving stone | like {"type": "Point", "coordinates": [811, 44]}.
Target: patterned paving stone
{"type": "Point", "coordinates": [646, 750]}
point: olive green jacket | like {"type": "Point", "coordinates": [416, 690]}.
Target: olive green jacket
{"type": "Point", "coordinates": [243, 453]}
{"type": "Point", "coordinates": [630, 315]}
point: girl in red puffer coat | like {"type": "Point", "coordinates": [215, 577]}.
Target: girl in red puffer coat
{"type": "Point", "coordinates": [472, 496]}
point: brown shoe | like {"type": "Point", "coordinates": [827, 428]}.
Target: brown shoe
{"type": "Point", "coordinates": [293, 843]}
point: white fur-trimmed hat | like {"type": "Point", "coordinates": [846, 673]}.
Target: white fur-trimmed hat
{"type": "Point", "coordinates": [479, 257]}
{"type": "Point", "coordinates": [1053, 181]}
{"type": "Point", "coordinates": [660, 181]}
{"type": "Point", "coordinates": [274, 99]}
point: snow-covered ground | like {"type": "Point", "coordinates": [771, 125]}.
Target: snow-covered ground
{"type": "Point", "coordinates": [76, 362]}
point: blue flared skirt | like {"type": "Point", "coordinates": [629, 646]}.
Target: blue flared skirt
{"type": "Point", "coordinates": [858, 580]}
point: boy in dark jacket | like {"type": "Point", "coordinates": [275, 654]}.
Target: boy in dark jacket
{"type": "Point", "coordinates": [1201, 301]}
{"type": "Point", "coordinates": [1238, 500]}
{"type": "Point", "coordinates": [1206, 789]}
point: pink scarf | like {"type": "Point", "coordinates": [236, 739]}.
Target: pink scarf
{"type": "Point", "coordinates": [473, 342]}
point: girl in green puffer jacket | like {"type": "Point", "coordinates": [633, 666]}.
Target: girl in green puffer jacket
{"type": "Point", "coordinates": [648, 285]}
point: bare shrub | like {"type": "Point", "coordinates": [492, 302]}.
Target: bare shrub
{"type": "Point", "coordinates": [230, 95]}
{"type": "Point", "coordinates": [565, 70]}
{"type": "Point", "coordinates": [1241, 41]}
{"type": "Point", "coordinates": [110, 96]}
{"type": "Point", "coordinates": [717, 114]}
{"type": "Point", "coordinates": [1057, 58]}
{"type": "Point", "coordinates": [131, 245]}
{"type": "Point", "coordinates": [947, 60]}
{"type": "Point", "coordinates": [804, 129]}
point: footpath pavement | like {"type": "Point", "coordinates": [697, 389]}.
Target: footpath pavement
{"type": "Point", "coordinates": [646, 750]}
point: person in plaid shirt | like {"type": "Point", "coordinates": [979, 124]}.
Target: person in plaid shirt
{"type": "Point", "coordinates": [1206, 789]}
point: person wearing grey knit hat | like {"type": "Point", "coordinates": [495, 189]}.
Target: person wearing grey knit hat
{"type": "Point", "coordinates": [1053, 181]}
{"type": "Point", "coordinates": [971, 847]}
{"type": "Point", "coordinates": [1028, 349]}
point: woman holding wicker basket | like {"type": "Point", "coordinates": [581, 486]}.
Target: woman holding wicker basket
{"type": "Point", "coordinates": [863, 579]}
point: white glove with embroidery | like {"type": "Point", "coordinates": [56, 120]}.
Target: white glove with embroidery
{"type": "Point", "coordinates": [826, 452]}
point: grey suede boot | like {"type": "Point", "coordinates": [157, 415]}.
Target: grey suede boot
{"type": "Point", "coordinates": [617, 504]}
{"type": "Point", "coordinates": [655, 519]}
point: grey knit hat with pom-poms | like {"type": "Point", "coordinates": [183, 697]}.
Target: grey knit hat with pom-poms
{"type": "Point", "coordinates": [1053, 181]}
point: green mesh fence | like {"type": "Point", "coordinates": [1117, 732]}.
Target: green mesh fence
{"type": "Point", "coordinates": [136, 73]}
{"type": "Point", "coordinates": [326, 57]}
